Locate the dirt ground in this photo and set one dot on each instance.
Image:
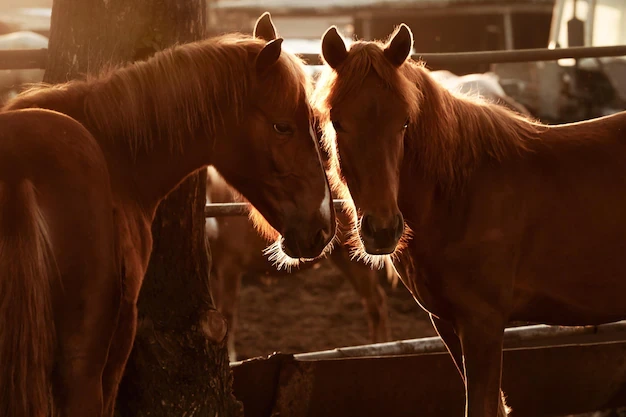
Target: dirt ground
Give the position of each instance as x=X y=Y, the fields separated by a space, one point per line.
x=316 y=309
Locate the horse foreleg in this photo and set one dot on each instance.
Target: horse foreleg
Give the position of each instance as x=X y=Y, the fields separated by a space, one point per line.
x=481 y=342
x=373 y=297
x=225 y=287
x=84 y=331
x=119 y=353
x=452 y=342
x=230 y=304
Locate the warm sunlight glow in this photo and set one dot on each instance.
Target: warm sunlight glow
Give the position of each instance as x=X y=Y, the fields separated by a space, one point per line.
x=357 y=249
x=609 y=23
x=608 y=26
x=281 y=260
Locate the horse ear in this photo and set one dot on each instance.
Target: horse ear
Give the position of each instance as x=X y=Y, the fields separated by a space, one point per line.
x=399 y=48
x=334 y=49
x=268 y=55
x=264 y=28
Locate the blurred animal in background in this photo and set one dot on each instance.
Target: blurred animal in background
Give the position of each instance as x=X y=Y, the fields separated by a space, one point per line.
x=486 y=85
x=237 y=250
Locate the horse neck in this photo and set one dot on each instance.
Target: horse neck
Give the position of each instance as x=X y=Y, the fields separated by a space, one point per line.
x=454 y=135
x=152 y=138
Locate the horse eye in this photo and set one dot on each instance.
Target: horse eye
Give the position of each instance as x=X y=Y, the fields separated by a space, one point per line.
x=283 y=128
x=337 y=126
x=406 y=124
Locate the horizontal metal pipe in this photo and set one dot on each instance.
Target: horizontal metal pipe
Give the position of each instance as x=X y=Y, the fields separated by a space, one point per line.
x=36 y=58
x=226 y=209
x=23 y=59
x=537 y=381
x=498 y=57
x=515 y=337
x=521 y=55
x=240 y=209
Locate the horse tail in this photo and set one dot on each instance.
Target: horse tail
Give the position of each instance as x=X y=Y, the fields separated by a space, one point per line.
x=27 y=333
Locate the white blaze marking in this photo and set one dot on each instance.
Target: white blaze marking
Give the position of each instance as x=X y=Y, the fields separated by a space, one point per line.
x=326 y=202
x=325 y=206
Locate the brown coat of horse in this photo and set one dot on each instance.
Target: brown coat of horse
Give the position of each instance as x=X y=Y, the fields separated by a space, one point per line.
x=509 y=219
x=57 y=253
x=237 y=249
x=77 y=205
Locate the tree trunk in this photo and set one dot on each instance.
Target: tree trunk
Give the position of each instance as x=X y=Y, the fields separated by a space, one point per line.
x=179 y=364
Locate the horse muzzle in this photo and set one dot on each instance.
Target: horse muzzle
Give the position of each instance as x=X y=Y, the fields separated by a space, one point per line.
x=381 y=236
x=306 y=242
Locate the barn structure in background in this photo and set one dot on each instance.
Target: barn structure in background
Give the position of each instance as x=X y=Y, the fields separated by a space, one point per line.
x=438 y=25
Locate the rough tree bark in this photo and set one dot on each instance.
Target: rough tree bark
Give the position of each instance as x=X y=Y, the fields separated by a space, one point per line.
x=179 y=364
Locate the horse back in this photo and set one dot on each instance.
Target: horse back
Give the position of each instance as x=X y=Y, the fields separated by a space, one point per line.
x=67 y=168
x=547 y=225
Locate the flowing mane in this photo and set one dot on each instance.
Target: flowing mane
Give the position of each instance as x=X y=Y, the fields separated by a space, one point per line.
x=449 y=135
x=148 y=98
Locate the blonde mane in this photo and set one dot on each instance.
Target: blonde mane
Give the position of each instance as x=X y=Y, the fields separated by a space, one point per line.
x=172 y=94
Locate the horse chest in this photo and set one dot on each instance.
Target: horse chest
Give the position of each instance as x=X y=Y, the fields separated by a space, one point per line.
x=135 y=242
x=426 y=287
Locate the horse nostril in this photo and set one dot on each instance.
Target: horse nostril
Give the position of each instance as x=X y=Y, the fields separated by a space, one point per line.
x=290 y=235
x=366 y=225
x=320 y=238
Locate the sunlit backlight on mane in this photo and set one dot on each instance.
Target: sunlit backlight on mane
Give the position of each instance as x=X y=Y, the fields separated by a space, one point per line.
x=446 y=156
x=281 y=260
x=357 y=249
x=335 y=85
x=123 y=108
x=274 y=251
x=353 y=241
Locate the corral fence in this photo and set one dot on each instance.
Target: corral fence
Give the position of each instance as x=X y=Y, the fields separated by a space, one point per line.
x=36 y=59
x=548 y=370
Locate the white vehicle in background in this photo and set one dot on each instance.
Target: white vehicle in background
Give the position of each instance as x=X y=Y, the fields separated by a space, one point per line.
x=12 y=81
x=574 y=89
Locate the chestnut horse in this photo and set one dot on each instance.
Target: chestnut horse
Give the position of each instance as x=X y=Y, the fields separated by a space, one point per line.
x=510 y=220
x=237 y=249
x=77 y=202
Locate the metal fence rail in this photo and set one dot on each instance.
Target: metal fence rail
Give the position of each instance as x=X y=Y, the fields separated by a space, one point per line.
x=240 y=209
x=514 y=337
x=548 y=381
x=36 y=58
x=516 y=55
